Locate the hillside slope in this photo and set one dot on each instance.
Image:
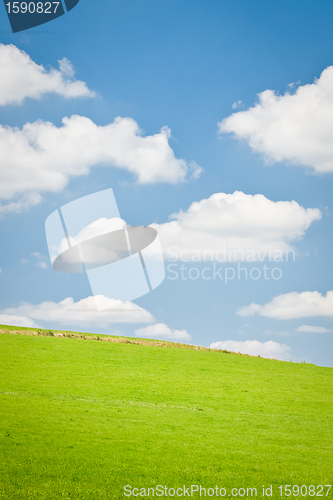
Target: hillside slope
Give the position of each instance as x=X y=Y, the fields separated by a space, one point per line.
x=81 y=419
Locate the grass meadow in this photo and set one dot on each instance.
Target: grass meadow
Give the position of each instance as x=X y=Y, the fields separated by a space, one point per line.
x=82 y=418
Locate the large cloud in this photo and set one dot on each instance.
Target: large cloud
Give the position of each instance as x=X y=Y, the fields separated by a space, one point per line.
x=82 y=313
x=243 y=226
x=42 y=157
x=162 y=331
x=21 y=78
x=268 y=349
x=293 y=305
x=297 y=127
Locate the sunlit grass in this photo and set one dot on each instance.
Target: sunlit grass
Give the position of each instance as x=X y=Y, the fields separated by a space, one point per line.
x=81 y=419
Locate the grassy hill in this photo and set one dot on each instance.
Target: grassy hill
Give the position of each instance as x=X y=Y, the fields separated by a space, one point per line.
x=81 y=419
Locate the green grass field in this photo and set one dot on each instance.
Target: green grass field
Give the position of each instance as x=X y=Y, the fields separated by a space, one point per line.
x=80 y=419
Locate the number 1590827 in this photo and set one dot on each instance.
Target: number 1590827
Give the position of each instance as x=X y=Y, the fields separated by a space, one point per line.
x=32 y=7
x=313 y=491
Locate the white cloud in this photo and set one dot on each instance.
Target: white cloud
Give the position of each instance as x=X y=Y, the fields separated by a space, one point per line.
x=42 y=265
x=246 y=226
x=42 y=157
x=40 y=262
x=21 y=78
x=24 y=261
x=236 y=104
x=313 y=329
x=82 y=313
x=0 y=270
x=293 y=305
x=25 y=202
x=267 y=349
x=12 y=320
x=162 y=331
x=297 y=127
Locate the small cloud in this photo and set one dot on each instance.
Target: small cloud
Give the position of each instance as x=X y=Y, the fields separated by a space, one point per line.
x=23 y=261
x=13 y=320
x=0 y=270
x=40 y=258
x=42 y=265
x=236 y=104
x=313 y=329
x=250 y=310
x=160 y=330
x=293 y=305
x=268 y=349
x=66 y=67
x=293 y=84
x=195 y=169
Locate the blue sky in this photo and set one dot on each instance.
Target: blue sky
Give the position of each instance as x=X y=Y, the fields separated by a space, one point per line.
x=183 y=65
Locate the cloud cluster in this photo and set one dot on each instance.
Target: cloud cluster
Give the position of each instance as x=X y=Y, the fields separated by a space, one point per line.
x=293 y=305
x=42 y=157
x=296 y=127
x=267 y=349
x=21 y=77
x=162 y=331
x=82 y=313
x=243 y=224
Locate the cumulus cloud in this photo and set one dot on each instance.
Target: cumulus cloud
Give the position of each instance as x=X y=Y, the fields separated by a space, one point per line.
x=82 y=313
x=313 y=329
x=21 y=77
x=162 y=331
x=267 y=349
x=12 y=320
x=293 y=305
x=234 y=227
x=296 y=127
x=41 y=157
